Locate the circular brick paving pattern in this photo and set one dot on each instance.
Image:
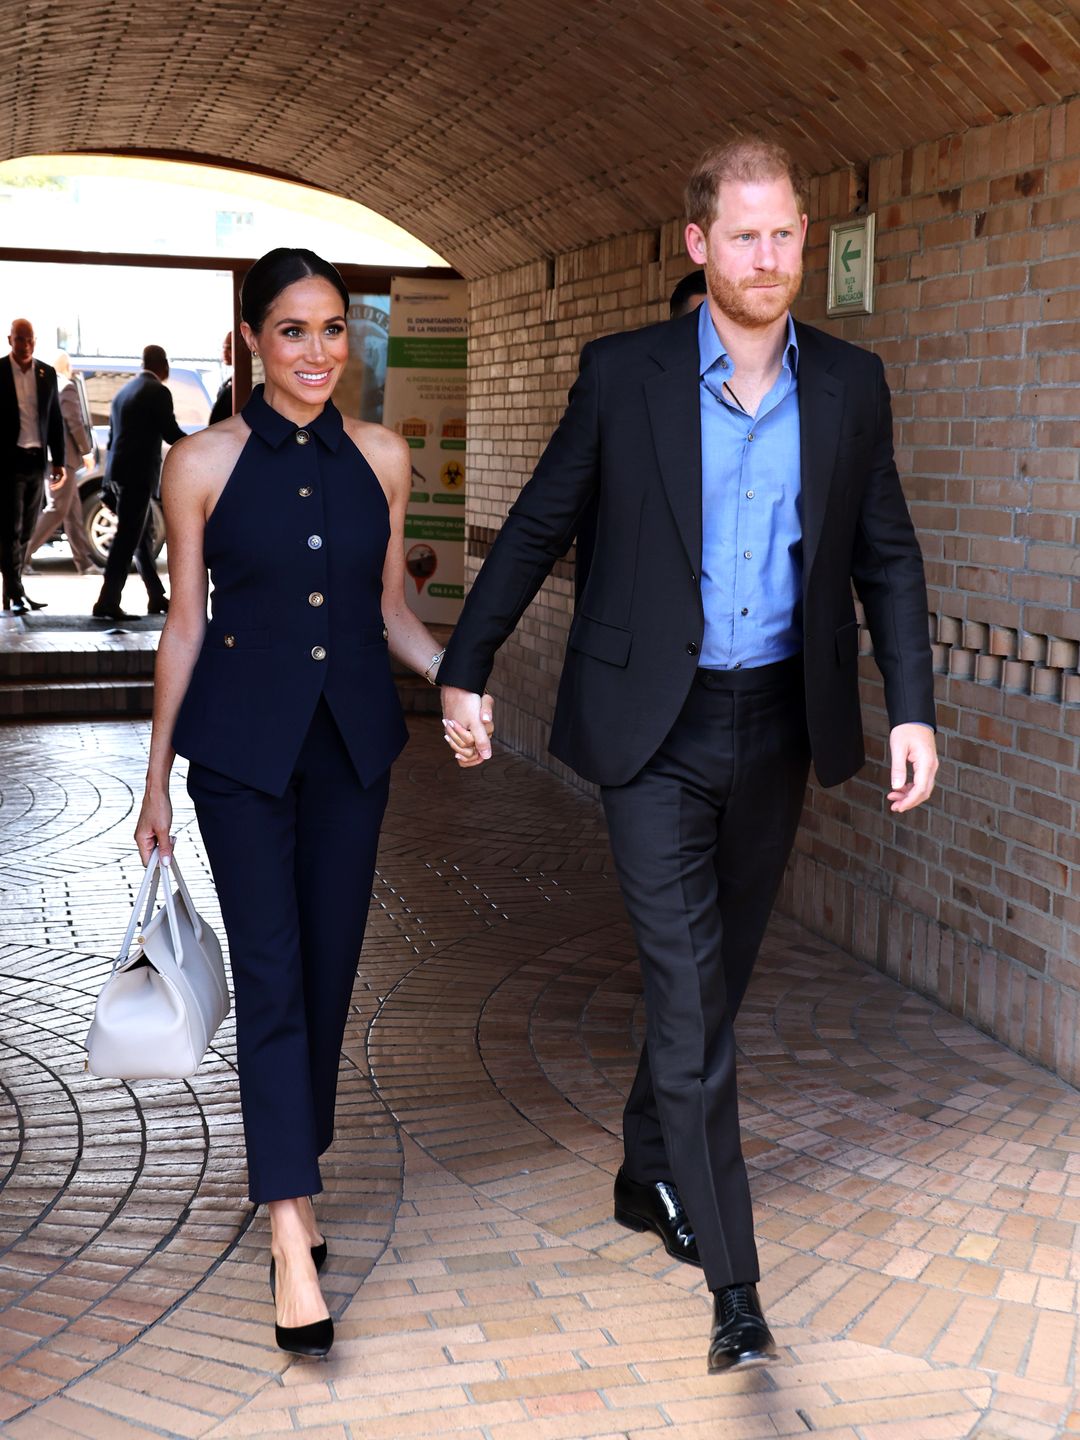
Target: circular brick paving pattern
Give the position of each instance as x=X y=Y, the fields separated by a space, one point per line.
x=917 y=1186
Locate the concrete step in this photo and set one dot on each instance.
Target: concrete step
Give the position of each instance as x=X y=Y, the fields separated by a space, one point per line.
x=76 y=699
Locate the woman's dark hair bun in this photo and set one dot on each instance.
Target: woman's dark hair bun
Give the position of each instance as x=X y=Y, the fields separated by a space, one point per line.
x=276 y=271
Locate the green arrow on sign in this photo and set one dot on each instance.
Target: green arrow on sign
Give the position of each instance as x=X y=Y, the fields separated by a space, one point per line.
x=847 y=254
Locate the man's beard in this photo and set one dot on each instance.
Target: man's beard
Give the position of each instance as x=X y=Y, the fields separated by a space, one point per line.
x=745 y=304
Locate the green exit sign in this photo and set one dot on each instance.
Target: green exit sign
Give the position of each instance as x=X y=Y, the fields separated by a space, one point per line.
x=851 y=267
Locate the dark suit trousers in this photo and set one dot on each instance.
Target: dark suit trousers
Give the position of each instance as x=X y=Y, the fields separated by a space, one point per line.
x=294 y=877
x=134 y=537
x=700 y=838
x=21 y=491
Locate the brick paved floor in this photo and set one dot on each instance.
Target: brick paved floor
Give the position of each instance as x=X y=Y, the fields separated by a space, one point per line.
x=917 y=1186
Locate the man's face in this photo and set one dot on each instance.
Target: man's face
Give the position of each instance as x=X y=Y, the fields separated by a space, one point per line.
x=752 y=251
x=21 y=341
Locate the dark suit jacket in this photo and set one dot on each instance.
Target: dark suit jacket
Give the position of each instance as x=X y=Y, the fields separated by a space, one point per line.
x=631 y=439
x=50 y=421
x=140 y=419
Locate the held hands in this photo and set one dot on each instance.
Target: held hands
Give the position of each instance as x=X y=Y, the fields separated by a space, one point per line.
x=155 y=822
x=913 y=745
x=468 y=721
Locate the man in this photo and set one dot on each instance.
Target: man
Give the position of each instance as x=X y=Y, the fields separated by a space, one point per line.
x=62 y=505
x=140 y=419
x=688 y=294
x=743 y=465
x=222 y=408
x=30 y=425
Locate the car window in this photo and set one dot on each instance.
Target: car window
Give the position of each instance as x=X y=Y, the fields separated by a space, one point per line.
x=101 y=386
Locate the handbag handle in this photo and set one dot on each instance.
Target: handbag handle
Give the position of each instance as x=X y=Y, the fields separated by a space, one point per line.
x=145 y=900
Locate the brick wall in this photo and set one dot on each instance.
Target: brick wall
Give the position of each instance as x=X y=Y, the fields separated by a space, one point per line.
x=974 y=899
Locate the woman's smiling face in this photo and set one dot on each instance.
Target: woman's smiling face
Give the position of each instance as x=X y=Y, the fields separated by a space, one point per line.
x=303 y=343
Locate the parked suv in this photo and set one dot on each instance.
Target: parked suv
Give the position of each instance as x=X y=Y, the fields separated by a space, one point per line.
x=100 y=380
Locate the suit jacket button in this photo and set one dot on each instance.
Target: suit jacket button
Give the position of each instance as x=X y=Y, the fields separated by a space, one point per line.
x=318 y=652
x=385 y=633
x=304 y=491
x=691 y=647
x=315 y=542
x=230 y=641
x=315 y=598
x=302 y=437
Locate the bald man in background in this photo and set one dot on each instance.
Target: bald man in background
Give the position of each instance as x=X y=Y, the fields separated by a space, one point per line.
x=31 y=426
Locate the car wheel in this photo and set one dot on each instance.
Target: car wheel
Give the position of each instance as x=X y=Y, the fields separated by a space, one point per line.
x=99 y=522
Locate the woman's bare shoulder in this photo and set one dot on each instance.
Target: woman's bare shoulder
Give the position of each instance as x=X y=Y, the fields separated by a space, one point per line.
x=382 y=448
x=207 y=455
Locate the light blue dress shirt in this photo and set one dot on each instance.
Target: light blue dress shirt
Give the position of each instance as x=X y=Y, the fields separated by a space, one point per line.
x=751 y=501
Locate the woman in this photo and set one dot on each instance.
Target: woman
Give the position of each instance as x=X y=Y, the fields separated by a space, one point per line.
x=285 y=707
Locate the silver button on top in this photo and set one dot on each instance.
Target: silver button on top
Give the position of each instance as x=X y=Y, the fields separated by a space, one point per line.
x=315 y=541
x=750 y=436
x=304 y=491
x=748 y=554
x=302 y=437
x=315 y=598
x=318 y=652
x=749 y=494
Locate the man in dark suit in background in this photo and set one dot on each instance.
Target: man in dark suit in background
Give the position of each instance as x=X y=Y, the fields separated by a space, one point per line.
x=742 y=466
x=30 y=426
x=141 y=418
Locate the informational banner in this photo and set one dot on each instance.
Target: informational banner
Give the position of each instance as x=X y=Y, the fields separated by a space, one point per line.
x=425 y=403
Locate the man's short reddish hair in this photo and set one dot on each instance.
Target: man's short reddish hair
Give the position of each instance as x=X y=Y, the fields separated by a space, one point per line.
x=745 y=160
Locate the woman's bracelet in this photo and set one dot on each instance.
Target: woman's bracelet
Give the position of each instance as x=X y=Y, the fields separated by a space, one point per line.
x=431 y=664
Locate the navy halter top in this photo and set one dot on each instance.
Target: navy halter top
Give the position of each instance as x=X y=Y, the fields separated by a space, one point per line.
x=295 y=548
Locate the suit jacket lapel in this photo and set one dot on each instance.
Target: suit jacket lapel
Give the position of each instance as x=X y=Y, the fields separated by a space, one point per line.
x=673 y=400
x=821 y=408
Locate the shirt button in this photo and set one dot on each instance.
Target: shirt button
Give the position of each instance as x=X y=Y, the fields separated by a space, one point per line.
x=737 y=665
x=318 y=652
x=304 y=491
x=691 y=647
x=744 y=611
x=302 y=437
x=315 y=541
x=750 y=436
x=749 y=494
x=747 y=554
x=230 y=641
x=315 y=598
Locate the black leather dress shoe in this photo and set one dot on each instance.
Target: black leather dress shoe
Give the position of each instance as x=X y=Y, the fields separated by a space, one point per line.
x=739 y=1335
x=34 y=604
x=18 y=606
x=159 y=606
x=105 y=610
x=656 y=1207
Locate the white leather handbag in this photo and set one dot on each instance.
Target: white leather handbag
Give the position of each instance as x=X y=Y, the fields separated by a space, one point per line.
x=161 y=1006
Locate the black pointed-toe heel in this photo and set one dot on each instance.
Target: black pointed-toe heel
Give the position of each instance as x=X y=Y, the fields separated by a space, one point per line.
x=315 y=1339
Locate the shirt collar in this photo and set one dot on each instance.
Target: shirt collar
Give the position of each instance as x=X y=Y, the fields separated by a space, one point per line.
x=270 y=425
x=711 y=348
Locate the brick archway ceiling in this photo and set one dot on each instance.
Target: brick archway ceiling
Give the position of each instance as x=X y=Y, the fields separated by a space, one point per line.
x=500 y=131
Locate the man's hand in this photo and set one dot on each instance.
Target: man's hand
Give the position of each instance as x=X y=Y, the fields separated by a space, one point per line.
x=468 y=721
x=56 y=475
x=913 y=745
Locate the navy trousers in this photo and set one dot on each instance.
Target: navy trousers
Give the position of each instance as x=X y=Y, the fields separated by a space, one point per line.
x=700 y=837
x=293 y=875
